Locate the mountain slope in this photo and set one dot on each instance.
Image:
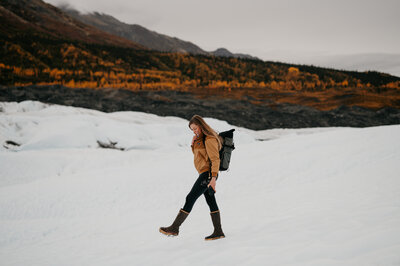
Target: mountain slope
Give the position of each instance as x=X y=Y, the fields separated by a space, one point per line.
x=304 y=197
x=143 y=36
x=136 y=33
x=38 y=17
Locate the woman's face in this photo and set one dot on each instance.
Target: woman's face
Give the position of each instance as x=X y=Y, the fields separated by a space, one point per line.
x=196 y=129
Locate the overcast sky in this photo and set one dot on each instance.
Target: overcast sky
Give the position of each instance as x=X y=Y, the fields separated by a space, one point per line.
x=268 y=29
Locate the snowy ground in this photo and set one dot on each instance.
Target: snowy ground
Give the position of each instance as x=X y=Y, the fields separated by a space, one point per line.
x=292 y=197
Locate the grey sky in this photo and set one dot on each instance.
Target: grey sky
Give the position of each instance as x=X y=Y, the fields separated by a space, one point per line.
x=269 y=29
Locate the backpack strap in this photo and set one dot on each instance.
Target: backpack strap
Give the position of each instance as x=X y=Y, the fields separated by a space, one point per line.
x=204 y=142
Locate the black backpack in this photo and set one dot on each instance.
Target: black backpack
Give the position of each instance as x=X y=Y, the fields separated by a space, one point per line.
x=226 y=151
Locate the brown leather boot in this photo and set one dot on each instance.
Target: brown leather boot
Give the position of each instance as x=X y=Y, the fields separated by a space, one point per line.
x=173 y=230
x=216 y=220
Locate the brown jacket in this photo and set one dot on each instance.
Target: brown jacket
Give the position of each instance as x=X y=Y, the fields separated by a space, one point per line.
x=206 y=157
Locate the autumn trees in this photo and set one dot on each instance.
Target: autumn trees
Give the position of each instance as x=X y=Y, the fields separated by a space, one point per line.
x=40 y=60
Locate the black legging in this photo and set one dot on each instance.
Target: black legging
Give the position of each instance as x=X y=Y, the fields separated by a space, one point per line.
x=200 y=187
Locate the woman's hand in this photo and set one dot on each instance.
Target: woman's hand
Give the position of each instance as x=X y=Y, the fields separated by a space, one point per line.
x=213 y=183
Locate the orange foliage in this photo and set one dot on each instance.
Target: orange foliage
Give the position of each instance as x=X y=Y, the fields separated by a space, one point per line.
x=28 y=72
x=393 y=85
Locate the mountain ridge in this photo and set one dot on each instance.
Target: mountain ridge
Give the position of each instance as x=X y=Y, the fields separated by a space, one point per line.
x=148 y=38
x=44 y=18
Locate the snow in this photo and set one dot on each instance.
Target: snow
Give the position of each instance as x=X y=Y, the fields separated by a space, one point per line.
x=321 y=196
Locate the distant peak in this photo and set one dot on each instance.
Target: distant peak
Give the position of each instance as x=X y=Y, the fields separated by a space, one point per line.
x=222 y=52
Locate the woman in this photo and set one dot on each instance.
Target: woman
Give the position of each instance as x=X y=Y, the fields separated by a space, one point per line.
x=205 y=146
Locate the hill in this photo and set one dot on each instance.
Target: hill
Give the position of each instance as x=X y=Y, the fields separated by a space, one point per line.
x=35 y=18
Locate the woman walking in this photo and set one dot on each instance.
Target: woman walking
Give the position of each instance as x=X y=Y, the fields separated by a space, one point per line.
x=205 y=146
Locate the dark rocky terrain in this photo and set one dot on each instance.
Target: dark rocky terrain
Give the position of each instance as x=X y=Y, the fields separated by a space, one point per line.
x=184 y=104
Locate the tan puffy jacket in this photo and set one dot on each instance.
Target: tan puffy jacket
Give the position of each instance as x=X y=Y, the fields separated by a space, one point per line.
x=206 y=157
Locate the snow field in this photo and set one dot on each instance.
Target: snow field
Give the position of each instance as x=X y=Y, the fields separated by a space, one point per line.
x=300 y=197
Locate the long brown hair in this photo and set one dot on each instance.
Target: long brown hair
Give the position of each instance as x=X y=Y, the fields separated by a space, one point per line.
x=205 y=128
